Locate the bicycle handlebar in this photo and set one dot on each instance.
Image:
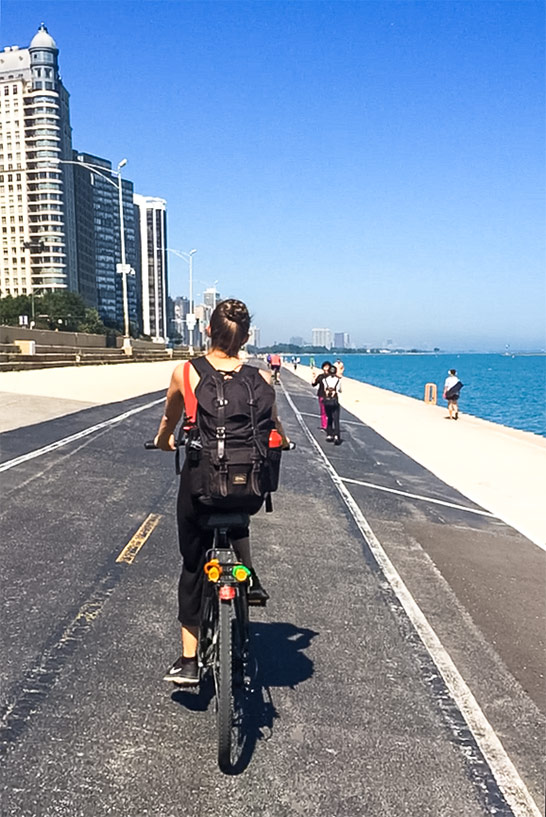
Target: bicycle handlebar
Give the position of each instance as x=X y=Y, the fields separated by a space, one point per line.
x=150 y=445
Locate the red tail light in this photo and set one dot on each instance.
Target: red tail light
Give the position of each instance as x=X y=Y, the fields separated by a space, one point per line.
x=226 y=592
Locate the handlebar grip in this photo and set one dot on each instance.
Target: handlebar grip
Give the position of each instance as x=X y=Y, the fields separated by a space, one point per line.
x=149 y=445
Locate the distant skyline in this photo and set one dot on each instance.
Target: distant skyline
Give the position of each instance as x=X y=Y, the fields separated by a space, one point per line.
x=376 y=168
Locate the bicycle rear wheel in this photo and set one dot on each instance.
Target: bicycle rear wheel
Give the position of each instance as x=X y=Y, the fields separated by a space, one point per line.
x=230 y=680
x=224 y=685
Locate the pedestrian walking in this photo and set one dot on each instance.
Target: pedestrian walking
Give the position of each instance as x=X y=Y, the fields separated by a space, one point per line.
x=452 y=390
x=318 y=380
x=340 y=367
x=332 y=387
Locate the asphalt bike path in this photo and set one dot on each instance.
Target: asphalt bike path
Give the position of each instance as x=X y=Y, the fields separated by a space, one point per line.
x=344 y=717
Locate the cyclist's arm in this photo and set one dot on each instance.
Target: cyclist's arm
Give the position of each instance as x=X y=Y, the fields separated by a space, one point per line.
x=174 y=406
x=274 y=414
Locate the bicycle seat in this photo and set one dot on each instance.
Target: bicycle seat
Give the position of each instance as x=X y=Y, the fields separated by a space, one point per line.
x=224 y=520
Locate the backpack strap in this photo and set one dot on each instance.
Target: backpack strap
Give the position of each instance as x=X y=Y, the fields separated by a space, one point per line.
x=190 y=400
x=252 y=407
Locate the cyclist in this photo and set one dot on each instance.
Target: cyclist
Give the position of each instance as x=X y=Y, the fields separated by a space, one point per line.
x=275 y=363
x=228 y=331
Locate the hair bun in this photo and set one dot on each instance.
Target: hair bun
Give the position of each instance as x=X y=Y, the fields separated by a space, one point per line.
x=236 y=311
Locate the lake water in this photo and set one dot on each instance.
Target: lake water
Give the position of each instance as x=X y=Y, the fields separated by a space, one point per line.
x=504 y=389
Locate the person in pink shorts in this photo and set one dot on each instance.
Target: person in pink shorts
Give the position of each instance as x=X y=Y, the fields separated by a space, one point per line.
x=318 y=381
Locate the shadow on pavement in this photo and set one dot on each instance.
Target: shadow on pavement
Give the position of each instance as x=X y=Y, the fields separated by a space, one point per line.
x=277 y=660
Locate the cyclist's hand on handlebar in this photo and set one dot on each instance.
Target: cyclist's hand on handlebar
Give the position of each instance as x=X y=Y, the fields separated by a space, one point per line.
x=165 y=443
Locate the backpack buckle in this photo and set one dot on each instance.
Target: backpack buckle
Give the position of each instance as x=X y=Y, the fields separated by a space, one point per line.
x=221 y=402
x=221 y=433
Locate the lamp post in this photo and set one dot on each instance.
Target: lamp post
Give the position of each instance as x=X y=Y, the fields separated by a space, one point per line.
x=191 y=320
x=121 y=268
x=126 y=338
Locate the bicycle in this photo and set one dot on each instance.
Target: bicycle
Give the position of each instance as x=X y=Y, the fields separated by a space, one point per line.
x=223 y=640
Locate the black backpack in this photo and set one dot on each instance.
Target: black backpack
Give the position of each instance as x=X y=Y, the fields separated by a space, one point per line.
x=454 y=391
x=330 y=392
x=231 y=466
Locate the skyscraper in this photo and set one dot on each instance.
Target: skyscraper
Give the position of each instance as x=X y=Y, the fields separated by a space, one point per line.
x=99 y=239
x=342 y=340
x=153 y=259
x=254 y=336
x=321 y=337
x=211 y=297
x=36 y=190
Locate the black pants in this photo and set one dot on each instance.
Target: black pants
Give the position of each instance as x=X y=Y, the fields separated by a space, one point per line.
x=332 y=414
x=194 y=543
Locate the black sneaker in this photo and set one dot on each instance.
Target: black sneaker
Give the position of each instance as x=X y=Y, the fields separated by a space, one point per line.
x=337 y=441
x=329 y=438
x=183 y=672
x=256 y=595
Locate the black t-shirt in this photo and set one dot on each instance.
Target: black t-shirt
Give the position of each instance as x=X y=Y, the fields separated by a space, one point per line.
x=319 y=381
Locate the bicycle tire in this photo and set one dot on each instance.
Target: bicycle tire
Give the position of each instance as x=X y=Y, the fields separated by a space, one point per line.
x=224 y=685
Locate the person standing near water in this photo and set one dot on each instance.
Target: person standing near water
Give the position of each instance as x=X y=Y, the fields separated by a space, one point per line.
x=452 y=390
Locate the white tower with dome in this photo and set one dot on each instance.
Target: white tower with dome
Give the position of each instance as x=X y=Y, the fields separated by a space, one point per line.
x=36 y=191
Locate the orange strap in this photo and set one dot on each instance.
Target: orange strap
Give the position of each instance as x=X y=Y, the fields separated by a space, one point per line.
x=190 y=400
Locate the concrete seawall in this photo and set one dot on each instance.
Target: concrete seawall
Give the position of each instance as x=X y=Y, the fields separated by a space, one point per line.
x=500 y=468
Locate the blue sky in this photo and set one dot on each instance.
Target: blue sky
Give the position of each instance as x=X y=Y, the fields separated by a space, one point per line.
x=372 y=167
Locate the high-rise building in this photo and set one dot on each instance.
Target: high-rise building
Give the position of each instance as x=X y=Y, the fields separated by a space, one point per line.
x=342 y=340
x=321 y=337
x=153 y=259
x=36 y=189
x=254 y=337
x=211 y=297
x=178 y=328
x=99 y=240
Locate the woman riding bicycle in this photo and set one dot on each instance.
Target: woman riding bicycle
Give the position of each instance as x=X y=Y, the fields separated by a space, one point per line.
x=228 y=332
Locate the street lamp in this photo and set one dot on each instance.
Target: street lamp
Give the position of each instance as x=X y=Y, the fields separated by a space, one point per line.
x=123 y=268
x=191 y=319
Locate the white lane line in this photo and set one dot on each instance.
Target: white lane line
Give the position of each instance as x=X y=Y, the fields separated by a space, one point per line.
x=5 y=466
x=418 y=496
x=512 y=786
x=345 y=422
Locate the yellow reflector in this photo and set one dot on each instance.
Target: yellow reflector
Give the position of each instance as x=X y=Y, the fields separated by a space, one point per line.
x=213 y=570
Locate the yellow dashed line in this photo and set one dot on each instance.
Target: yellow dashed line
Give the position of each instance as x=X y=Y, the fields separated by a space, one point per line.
x=133 y=546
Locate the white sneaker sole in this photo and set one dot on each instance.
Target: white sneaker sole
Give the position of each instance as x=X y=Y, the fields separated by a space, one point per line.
x=181 y=682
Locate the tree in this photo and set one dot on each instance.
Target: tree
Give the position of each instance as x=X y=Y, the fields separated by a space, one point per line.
x=65 y=311
x=62 y=310
x=92 y=323
x=11 y=308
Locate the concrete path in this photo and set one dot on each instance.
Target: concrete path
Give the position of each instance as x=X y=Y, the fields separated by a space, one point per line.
x=500 y=468
x=41 y=394
x=356 y=708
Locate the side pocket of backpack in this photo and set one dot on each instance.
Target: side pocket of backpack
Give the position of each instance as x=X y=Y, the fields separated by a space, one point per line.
x=271 y=470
